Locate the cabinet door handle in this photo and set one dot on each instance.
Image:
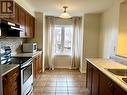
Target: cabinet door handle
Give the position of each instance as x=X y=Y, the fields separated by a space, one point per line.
x=110 y=84
x=5 y=81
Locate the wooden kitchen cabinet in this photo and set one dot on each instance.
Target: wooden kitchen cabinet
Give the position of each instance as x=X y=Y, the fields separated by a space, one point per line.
x=32 y=26
x=21 y=18
x=118 y=90
x=27 y=29
x=37 y=65
x=40 y=63
x=11 y=83
x=16 y=15
x=99 y=84
x=29 y=26
x=106 y=85
x=92 y=79
x=89 y=77
x=95 y=81
x=26 y=21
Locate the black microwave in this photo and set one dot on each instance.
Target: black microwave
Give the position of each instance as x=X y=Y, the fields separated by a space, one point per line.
x=9 y=29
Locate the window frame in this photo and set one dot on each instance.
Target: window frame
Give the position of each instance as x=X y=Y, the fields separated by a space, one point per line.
x=63 y=40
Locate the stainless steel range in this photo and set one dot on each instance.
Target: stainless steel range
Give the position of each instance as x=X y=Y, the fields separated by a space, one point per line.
x=26 y=69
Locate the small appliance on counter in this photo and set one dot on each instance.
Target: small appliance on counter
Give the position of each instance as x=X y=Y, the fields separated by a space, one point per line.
x=26 y=68
x=29 y=47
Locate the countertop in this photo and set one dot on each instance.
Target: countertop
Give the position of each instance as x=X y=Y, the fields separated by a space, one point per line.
x=5 y=68
x=103 y=64
x=26 y=54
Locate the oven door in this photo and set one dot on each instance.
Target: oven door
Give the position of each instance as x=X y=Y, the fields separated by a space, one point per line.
x=27 y=79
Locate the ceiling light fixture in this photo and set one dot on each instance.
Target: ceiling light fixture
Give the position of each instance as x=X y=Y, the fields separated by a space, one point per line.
x=65 y=14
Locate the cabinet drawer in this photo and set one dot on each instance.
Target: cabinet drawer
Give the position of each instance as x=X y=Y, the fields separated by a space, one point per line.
x=16 y=70
x=12 y=76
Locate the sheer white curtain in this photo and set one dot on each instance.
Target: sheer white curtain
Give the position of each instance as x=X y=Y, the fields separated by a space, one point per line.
x=76 y=44
x=50 y=41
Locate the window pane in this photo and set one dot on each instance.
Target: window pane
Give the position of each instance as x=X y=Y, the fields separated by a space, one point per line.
x=58 y=46
x=68 y=40
x=63 y=39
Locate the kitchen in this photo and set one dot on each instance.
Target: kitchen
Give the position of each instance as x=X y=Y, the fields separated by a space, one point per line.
x=24 y=42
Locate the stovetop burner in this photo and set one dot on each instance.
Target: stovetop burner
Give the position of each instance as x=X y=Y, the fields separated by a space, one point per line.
x=16 y=60
x=19 y=60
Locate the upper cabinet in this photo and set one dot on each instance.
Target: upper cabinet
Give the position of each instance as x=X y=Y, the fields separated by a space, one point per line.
x=27 y=21
x=122 y=35
x=29 y=25
x=21 y=17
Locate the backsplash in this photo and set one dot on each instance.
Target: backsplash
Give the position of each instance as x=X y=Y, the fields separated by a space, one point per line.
x=14 y=43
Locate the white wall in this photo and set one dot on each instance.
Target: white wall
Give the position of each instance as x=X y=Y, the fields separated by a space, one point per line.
x=26 y=6
x=109 y=31
x=122 y=36
x=62 y=61
x=91 y=32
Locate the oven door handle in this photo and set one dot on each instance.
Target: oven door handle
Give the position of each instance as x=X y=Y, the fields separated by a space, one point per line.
x=22 y=68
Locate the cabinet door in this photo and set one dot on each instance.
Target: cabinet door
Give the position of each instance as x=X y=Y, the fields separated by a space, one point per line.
x=16 y=14
x=119 y=91
x=37 y=66
x=95 y=81
x=34 y=68
x=40 y=63
x=11 y=83
x=22 y=18
x=32 y=26
x=27 y=25
x=5 y=86
x=89 y=77
x=106 y=85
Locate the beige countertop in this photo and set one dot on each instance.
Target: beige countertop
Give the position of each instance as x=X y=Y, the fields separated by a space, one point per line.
x=5 y=68
x=103 y=64
x=26 y=54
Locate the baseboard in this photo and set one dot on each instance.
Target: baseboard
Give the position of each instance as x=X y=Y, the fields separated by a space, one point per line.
x=82 y=71
x=62 y=67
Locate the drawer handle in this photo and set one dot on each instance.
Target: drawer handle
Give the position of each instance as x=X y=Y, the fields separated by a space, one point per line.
x=5 y=81
x=110 y=84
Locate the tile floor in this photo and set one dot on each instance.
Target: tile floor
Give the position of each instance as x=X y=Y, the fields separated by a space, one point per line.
x=60 y=82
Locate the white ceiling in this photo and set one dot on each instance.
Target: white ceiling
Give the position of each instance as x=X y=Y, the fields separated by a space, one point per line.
x=76 y=7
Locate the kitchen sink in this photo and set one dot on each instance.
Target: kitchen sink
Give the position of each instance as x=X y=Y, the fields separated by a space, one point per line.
x=120 y=72
x=124 y=79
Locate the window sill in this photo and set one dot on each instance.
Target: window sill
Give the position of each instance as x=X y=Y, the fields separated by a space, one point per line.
x=63 y=54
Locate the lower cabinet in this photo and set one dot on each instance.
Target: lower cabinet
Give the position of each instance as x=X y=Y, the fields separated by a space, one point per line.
x=37 y=65
x=92 y=79
x=118 y=90
x=100 y=84
x=95 y=81
x=89 y=78
x=11 y=83
x=106 y=85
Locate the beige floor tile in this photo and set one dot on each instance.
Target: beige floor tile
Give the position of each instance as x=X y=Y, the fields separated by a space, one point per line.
x=60 y=82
